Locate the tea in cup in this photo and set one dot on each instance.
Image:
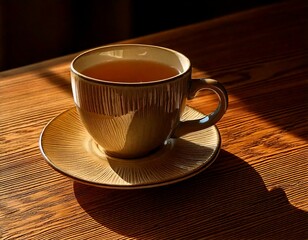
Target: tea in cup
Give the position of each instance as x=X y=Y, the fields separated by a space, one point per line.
x=130 y=97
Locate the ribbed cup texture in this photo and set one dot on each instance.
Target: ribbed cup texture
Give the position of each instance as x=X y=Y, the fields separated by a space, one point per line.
x=130 y=120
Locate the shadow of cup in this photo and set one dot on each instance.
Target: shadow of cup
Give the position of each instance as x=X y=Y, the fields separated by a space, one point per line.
x=227 y=201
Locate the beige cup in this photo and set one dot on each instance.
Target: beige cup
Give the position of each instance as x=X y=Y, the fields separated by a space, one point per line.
x=129 y=120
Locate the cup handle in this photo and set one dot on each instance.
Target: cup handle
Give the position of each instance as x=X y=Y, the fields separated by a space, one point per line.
x=199 y=124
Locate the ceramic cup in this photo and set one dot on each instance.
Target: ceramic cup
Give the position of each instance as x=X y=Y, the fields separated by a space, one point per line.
x=131 y=119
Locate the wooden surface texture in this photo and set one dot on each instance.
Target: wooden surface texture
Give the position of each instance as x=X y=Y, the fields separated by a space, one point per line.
x=256 y=189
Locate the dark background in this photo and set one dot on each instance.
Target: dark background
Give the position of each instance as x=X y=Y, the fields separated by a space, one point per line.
x=36 y=30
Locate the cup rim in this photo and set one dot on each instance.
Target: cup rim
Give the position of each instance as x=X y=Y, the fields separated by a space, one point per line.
x=96 y=80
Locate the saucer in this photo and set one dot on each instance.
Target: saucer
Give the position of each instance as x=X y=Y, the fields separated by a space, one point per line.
x=69 y=149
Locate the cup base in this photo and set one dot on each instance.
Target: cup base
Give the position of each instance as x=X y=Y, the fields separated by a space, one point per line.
x=132 y=156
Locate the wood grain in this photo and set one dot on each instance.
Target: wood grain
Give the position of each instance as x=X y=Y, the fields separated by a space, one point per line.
x=257 y=188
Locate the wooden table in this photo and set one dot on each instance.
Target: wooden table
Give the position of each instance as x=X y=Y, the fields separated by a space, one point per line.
x=256 y=189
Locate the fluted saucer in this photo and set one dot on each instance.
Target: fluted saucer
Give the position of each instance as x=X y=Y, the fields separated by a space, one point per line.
x=69 y=149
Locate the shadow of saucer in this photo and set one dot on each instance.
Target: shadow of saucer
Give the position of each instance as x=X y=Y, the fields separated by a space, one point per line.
x=227 y=201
